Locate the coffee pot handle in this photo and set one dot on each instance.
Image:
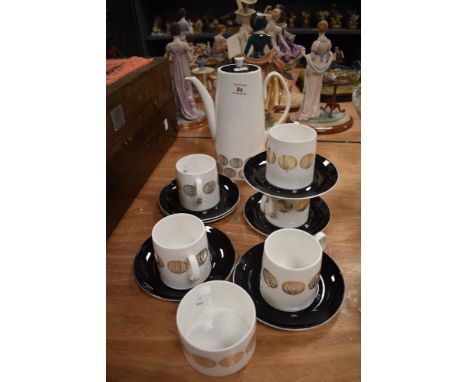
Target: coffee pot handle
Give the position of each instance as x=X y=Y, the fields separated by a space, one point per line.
x=284 y=85
x=194 y=267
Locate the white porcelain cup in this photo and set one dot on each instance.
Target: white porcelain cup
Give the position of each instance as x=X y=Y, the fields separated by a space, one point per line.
x=181 y=250
x=291 y=149
x=216 y=324
x=291 y=263
x=285 y=213
x=197 y=182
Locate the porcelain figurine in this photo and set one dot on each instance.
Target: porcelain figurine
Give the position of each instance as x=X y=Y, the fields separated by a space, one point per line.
x=184 y=26
x=276 y=32
x=293 y=52
x=305 y=19
x=268 y=62
x=220 y=45
x=237 y=124
x=338 y=56
x=178 y=52
x=192 y=50
x=318 y=61
x=336 y=18
x=353 y=22
x=198 y=25
x=322 y=15
x=259 y=38
x=243 y=14
x=157 y=24
x=292 y=20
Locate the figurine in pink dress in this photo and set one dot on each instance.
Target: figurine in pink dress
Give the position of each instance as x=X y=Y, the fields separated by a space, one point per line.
x=179 y=55
x=318 y=61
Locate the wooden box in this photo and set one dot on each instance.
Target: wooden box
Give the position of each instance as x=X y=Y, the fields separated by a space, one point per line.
x=141 y=125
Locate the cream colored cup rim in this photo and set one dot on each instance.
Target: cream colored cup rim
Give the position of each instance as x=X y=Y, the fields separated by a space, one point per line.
x=165 y=219
x=295 y=126
x=230 y=285
x=187 y=157
x=305 y=234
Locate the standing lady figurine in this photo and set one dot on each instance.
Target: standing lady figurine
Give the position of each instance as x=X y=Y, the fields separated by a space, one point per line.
x=220 y=45
x=243 y=14
x=179 y=55
x=318 y=61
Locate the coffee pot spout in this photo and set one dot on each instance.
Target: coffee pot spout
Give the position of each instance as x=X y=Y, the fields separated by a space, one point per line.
x=207 y=102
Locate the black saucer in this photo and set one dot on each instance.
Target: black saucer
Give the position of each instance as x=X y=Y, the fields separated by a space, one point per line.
x=325 y=306
x=319 y=216
x=228 y=200
x=223 y=258
x=325 y=177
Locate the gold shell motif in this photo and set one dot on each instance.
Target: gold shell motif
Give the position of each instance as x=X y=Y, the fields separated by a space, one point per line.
x=202 y=256
x=284 y=206
x=222 y=160
x=159 y=261
x=189 y=190
x=203 y=361
x=271 y=157
x=251 y=344
x=307 y=161
x=301 y=205
x=209 y=187
x=293 y=287
x=177 y=266
x=231 y=360
x=241 y=174
x=287 y=162
x=236 y=162
x=230 y=172
x=269 y=278
x=314 y=282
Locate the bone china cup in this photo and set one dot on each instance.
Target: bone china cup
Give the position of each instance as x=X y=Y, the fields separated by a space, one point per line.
x=197 y=180
x=181 y=250
x=291 y=265
x=285 y=213
x=291 y=149
x=216 y=324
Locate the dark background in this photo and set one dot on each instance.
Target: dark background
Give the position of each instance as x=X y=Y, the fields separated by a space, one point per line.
x=129 y=23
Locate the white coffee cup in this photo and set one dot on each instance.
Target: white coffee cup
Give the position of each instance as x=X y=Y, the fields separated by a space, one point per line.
x=291 y=263
x=181 y=250
x=291 y=149
x=285 y=213
x=216 y=324
x=197 y=182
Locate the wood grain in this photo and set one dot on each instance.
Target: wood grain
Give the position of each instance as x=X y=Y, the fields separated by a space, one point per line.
x=142 y=340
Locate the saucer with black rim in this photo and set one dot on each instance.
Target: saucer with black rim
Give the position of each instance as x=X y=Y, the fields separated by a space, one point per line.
x=325 y=306
x=228 y=199
x=325 y=178
x=223 y=259
x=319 y=216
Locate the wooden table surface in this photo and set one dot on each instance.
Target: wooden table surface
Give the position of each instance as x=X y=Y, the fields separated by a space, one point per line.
x=142 y=340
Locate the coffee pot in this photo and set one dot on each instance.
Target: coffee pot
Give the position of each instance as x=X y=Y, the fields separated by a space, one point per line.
x=237 y=122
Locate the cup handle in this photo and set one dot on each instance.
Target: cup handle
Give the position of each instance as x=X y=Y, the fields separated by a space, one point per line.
x=199 y=190
x=194 y=267
x=266 y=205
x=322 y=239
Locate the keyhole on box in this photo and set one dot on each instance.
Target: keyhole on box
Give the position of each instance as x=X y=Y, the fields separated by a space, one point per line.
x=166 y=125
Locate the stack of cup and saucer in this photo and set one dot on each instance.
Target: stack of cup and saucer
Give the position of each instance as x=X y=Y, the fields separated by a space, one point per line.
x=293 y=283
x=289 y=178
x=199 y=190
